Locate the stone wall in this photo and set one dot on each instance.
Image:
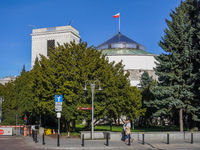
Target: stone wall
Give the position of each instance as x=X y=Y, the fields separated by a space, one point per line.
x=117 y=136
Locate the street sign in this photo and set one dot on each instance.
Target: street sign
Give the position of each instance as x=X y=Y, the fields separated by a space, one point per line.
x=58 y=115
x=58 y=103
x=58 y=98
x=58 y=108
x=85 y=108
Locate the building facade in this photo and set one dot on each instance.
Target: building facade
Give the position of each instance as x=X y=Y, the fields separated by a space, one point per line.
x=45 y=39
x=7 y=79
x=132 y=54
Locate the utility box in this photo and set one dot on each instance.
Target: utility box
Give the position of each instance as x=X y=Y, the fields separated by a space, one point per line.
x=6 y=131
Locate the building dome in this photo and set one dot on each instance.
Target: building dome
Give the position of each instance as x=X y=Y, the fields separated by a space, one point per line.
x=132 y=54
x=120 y=44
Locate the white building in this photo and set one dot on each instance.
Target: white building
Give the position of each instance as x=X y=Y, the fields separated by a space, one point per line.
x=7 y=79
x=133 y=55
x=46 y=38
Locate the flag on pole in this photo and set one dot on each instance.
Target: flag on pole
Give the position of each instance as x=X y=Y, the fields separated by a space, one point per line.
x=116 y=16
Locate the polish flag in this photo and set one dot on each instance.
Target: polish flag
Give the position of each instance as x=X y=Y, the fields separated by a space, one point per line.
x=116 y=16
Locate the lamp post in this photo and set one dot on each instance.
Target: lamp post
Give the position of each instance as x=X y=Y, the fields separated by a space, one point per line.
x=92 y=90
x=1 y=100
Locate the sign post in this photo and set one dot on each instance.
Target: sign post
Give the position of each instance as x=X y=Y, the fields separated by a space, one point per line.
x=58 y=109
x=85 y=108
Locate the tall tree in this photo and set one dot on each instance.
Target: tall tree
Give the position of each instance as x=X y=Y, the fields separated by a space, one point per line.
x=146 y=82
x=65 y=72
x=175 y=67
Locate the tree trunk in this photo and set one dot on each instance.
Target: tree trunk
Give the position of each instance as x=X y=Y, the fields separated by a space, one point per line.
x=118 y=121
x=73 y=125
x=68 y=126
x=181 y=119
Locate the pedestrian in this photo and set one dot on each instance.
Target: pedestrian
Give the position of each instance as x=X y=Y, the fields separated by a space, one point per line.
x=128 y=131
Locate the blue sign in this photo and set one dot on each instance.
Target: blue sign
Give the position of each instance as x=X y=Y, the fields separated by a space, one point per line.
x=58 y=98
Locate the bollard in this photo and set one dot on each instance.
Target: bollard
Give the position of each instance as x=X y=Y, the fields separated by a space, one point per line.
x=33 y=135
x=58 y=142
x=36 y=137
x=43 y=143
x=129 y=140
x=143 y=138
x=191 y=137
x=167 y=137
x=82 y=140
x=107 y=144
x=124 y=135
x=29 y=131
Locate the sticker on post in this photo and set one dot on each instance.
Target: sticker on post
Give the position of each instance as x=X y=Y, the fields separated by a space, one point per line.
x=59 y=115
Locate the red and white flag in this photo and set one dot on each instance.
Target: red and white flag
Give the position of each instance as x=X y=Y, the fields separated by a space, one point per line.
x=116 y=16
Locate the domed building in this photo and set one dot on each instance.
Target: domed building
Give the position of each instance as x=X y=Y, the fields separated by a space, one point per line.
x=132 y=54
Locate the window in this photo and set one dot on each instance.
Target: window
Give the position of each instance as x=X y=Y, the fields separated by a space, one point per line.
x=50 y=46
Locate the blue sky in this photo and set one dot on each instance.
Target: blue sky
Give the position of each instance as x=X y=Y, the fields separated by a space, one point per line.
x=141 y=20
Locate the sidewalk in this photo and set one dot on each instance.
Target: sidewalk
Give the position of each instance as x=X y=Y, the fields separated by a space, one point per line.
x=72 y=143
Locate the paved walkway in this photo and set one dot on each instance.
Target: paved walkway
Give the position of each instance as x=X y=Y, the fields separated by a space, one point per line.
x=72 y=143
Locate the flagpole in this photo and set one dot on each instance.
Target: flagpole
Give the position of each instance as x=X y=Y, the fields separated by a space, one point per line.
x=119 y=22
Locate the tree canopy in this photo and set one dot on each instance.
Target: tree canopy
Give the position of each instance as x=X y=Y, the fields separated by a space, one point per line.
x=177 y=68
x=65 y=72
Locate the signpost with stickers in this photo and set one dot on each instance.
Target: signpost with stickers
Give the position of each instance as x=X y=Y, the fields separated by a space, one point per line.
x=58 y=109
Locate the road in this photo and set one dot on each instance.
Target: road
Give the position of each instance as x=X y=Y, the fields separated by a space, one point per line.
x=26 y=143
x=15 y=143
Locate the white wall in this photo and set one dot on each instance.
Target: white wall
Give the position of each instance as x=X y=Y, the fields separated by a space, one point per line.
x=135 y=61
x=61 y=35
x=139 y=63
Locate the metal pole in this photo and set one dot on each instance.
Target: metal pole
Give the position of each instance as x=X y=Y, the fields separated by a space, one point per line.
x=33 y=135
x=36 y=137
x=191 y=137
x=129 y=140
x=16 y=120
x=43 y=143
x=0 y=108
x=40 y=120
x=58 y=144
x=92 y=88
x=143 y=138
x=82 y=140
x=107 y=136
x=167 y=137
x=119 y=22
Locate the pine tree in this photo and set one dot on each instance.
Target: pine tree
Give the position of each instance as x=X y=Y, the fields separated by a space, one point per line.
x=146 y=82
x=175 y=67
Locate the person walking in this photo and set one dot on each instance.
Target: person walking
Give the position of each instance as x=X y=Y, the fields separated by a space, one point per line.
x=128 y=131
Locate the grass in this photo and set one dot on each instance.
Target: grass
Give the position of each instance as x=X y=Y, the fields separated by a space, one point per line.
x=119 y=128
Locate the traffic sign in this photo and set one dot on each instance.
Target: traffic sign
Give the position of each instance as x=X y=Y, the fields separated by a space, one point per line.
x=85 y=108
x=58 y=98
x=58 y=108
x=58 y=115
x=58 y=103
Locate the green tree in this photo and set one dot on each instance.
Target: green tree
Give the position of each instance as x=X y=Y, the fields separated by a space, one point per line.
x=24 y=95
x=65 y=72
x=175 y=67
x=146 y=82
x=9 y=105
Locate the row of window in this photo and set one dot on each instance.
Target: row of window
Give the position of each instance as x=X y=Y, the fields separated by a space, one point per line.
x=122 y=45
